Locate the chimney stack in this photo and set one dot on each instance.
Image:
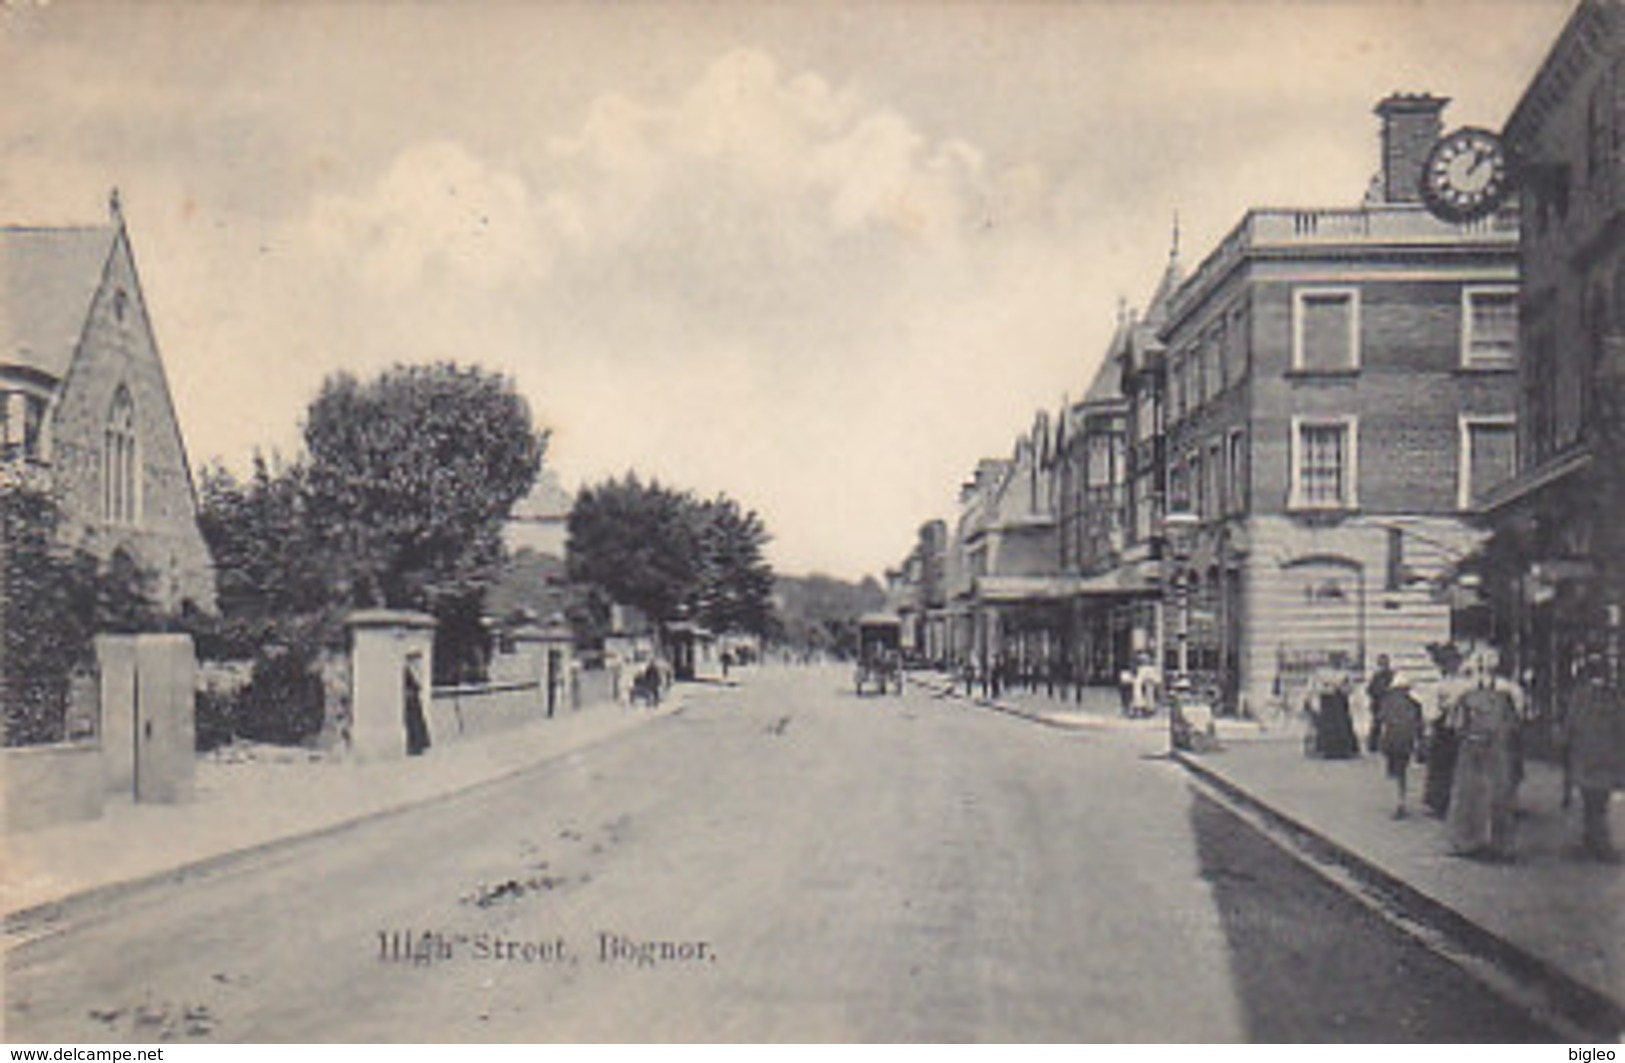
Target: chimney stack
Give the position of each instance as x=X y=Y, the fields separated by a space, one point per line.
x=1411 y=125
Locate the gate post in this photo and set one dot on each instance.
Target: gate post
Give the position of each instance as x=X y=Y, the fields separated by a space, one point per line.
x=386 y=645
x=149 y=713
x=166 y=747
x=116 y=677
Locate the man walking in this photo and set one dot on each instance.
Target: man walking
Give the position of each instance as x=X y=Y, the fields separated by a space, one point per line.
x=1381 y=679
x=1596 y=755
x=1397 y=722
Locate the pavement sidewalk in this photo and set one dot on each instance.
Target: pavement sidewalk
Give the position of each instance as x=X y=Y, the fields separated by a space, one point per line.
x=269 y=797
x=1555 y=920
x=1094 y=708
x=1551 y=917
x=1097 y=707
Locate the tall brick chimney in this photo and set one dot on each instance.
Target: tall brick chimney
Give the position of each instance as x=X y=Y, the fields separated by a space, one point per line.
x=1411 y=125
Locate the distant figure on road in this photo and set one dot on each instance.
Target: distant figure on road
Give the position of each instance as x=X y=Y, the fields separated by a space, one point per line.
x=1398 y=725
x=1595 y=755
x=1480 y=816
x=1125 y=690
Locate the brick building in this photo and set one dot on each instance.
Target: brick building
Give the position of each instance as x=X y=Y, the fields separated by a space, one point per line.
x=1557 y=557
x=85 y=406
x=1337 y=391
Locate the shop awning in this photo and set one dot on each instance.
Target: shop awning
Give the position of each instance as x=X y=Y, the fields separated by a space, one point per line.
x=1026 y=588
x=1140 y=579
x=1122 y=581
x=1535 y=480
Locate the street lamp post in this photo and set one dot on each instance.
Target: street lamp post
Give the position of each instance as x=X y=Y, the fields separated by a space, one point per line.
x=1179 y=530
x=1179 y=533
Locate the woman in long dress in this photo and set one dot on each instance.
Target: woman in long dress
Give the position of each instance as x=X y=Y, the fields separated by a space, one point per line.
x=1335 y=737
x=1480 y=818
x=1441 y=739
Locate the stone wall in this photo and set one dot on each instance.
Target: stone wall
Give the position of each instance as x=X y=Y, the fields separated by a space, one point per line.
x=467 y=712
x=44 y=785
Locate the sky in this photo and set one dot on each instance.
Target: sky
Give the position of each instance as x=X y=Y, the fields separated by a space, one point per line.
x=820 y=257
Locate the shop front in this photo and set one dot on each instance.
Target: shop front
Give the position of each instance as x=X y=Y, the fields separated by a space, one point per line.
x=1555 y=569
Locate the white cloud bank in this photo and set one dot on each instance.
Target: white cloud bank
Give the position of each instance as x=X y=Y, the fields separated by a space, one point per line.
x=766 y=285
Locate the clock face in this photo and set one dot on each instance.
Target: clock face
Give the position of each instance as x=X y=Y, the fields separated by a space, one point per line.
x=1465 y=176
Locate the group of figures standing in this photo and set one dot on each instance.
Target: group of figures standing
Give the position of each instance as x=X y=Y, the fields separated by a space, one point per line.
x=1470 y=745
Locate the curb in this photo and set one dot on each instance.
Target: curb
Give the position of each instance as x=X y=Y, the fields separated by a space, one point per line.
x=1581 y=1003
x=39 y=917
x=1055 y=721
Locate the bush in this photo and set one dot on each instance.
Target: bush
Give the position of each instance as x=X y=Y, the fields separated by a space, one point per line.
x=48 y=599
x=283 y=702
x=217 y=712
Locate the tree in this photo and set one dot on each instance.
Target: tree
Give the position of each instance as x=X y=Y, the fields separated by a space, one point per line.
x=734 y=590
x=269 y=565
x=267 y=559
x=638 y=543
x=671 y=555
x=281 y=604
x=410 y=478
x=821 y=612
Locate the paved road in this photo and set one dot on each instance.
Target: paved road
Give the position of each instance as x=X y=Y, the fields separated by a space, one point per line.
x=782 y=861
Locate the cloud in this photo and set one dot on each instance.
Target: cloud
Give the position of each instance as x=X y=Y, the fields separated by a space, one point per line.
x=765 y=285
x=439 y=215
x=821 y=159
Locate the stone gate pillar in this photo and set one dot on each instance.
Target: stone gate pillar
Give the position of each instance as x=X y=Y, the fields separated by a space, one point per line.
x=149 y=714
x=391 y=650
x=550 y=650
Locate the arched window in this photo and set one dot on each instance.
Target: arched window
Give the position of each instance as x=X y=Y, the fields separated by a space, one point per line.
x=121 y=481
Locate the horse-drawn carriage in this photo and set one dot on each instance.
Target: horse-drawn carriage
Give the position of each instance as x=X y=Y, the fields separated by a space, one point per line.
x=880 y=656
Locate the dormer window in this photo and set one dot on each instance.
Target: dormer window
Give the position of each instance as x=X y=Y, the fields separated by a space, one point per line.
x=121 y=305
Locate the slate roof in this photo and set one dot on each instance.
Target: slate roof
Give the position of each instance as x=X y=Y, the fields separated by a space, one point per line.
x=1108 y=378
x=47 y=280
x=1156 y=313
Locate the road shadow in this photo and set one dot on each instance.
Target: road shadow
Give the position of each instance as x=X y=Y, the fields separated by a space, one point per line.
x=1311 y=964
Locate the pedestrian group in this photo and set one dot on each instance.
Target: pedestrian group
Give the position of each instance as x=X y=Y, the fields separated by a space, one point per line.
x=1469 y=743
